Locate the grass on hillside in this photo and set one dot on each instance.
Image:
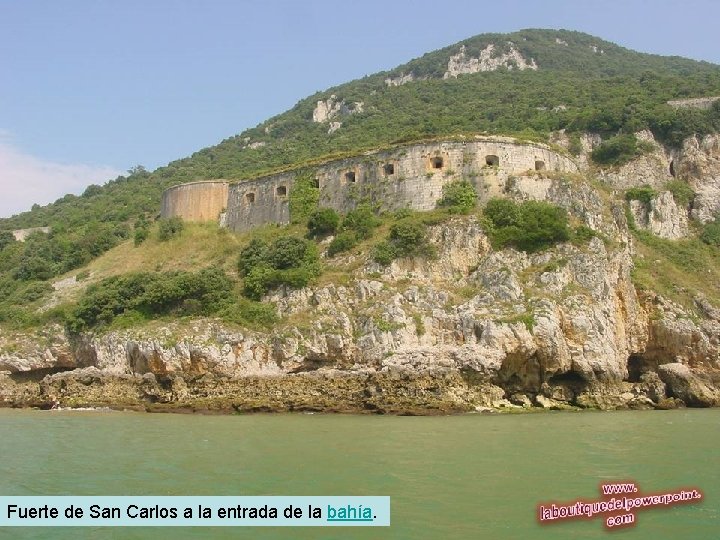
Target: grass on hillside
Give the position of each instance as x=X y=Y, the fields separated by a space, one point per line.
x=677 y=269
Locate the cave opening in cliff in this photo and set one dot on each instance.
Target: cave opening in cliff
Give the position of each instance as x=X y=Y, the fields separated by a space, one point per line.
x=250 y=198
x=350 y=176
x=672 y=168
x=316 y=183
x=569 y=378
x=389 y=169
x=492 y=161
x=281 y=191
x=436 y=162
x=637 y=365
x=539 y=165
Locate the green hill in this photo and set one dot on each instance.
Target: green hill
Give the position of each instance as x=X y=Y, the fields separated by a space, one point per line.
x=572 y=81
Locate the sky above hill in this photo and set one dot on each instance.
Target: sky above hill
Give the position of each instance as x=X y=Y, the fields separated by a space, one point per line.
x=89 y=89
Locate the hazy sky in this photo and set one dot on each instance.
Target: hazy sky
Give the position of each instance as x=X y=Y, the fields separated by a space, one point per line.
x=91 y=88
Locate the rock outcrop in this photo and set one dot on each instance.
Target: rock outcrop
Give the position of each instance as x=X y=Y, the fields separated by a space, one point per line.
x=331 y=108
x=401 y=79
x=489 y=59
x=471 y=329
x=699 y=162
x=662 y=216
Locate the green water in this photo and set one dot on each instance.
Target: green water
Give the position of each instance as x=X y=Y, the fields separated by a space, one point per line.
x=475 y=476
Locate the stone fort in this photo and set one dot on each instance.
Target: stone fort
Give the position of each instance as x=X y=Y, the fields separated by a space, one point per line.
x=409 y=176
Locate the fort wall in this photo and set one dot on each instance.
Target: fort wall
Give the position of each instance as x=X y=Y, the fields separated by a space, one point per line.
x=405 y=177
x=196 y=201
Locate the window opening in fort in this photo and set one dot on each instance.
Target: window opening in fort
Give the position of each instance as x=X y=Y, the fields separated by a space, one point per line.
x=281 y=191
x=350 y=176
x=316 y=183
x=539 y=165
x=389 y=169
x=436 y=162
x=250 y=198
x=492 y=161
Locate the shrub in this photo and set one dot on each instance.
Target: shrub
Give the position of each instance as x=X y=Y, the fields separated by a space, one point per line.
x=252 y=255
x=287 y=252
x=530 y=226
x=644 y=194
x=403 y=213
x=458 y=197
x=323 y=221
x=169 y=228
x=583 y=234
x=289 y=260
x=407 y=239
x=681 y=192
x=618 y=150
x=6 y=238
x=140 y=235
x=575 y=144
x=502 y=212
x=143 y=295
x=258 y=281
x=362 y=220
x=250 y=313
x=31 y=292
x=384 y=253
x=344 y=241
x=711 y=233
x=34 y=267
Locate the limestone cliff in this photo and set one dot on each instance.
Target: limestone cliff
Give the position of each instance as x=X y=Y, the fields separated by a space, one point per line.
x=489 y=59
x=471 y=329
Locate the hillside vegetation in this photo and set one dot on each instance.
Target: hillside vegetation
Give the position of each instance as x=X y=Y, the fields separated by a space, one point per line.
x=582 y=84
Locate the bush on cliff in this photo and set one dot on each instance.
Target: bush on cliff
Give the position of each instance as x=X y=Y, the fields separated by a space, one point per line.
x=529 y=226
x=362 y=221
x=42 y=256
x=619 y=150
x=143 y=295
x=169 y=228
x=357 y=225
x=289 y=260
x=406 y=239
x=322 y=222
x=682 y=193
x=458 y=197
x=711 y=233
x=344 y=241
x=644 y=194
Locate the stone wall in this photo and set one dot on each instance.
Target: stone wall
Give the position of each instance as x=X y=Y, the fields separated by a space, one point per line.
x=196 y=201
x=406 y=177
x=693 y=103
x=259 y=201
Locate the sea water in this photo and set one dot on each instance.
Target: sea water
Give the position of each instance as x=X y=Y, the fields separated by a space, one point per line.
x=470 y=476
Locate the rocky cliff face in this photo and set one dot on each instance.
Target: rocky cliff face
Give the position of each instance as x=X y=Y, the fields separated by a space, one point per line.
x=662 y=216
x=699 y=162
x=472 y=329
x=489 y=59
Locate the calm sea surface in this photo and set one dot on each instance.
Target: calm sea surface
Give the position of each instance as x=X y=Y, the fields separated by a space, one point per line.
x=474 y=476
